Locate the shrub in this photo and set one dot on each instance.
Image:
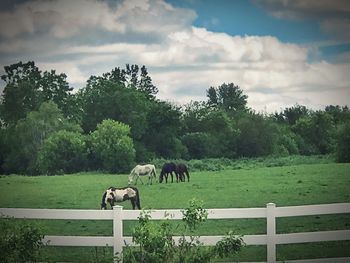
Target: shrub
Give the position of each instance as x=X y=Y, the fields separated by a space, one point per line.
x=63 y=152
x=19 y=242
x=112 y=145
x=157 y=245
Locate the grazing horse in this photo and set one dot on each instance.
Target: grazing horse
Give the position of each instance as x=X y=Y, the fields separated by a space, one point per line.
x=168 y=168
x=113 y=195
x=181 y=170
x=142 y=170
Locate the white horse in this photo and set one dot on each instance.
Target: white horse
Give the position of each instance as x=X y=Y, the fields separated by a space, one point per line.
x=142 y=170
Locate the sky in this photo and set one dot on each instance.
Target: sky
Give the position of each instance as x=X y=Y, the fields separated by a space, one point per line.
x=279 y=52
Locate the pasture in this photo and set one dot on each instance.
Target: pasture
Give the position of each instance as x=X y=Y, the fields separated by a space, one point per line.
x=285 y=186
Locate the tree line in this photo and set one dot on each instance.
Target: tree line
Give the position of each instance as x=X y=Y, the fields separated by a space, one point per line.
x=116 y=120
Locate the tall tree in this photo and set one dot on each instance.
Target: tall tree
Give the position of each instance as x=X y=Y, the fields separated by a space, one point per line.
x=293 y=114
x=27 y=87
x=228 y=97
x=132 y=77
x=106 y=99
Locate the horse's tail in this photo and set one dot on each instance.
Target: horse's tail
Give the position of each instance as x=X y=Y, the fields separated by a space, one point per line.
x=103 y=202
x=137 y=198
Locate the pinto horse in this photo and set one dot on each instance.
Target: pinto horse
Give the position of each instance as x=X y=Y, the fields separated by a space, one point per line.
x=113 y=195
x=142 y=170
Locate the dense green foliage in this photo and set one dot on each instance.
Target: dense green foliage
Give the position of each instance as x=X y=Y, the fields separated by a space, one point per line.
x=63 y=152
x=156 y=242
x=112 y=146
x=36 y=105
x=343 y=142
x=19 y=243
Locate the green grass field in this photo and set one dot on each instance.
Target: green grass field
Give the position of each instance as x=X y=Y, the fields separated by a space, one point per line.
x=247 y=187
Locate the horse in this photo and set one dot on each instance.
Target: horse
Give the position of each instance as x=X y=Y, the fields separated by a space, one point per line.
x=168 y=168
x=181 y=171
x=142 y=170
x=113 y=195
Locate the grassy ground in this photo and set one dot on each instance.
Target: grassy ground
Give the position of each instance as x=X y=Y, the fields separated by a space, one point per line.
x=248 y=186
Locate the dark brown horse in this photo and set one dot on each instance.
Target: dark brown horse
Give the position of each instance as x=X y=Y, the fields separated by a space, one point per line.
x=180 y=171
x=168 y=168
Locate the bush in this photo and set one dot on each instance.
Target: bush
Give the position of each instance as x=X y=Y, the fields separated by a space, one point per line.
x=113 y=147
x=63 y=152
x=19 y=242
x=342 y=151
x=157 y=245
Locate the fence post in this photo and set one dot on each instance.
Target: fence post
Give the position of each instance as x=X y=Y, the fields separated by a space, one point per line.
x=118 y=231
x=271 y=232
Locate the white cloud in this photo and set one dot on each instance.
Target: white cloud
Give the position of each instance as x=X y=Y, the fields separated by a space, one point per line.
x=66 y=18
x=185 y=60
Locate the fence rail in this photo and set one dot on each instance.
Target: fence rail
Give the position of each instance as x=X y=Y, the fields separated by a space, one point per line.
x=118 y=241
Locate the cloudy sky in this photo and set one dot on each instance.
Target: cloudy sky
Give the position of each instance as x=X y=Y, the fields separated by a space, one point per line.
x=280 y=52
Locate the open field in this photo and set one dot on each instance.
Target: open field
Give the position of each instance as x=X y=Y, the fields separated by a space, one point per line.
x=287 y=185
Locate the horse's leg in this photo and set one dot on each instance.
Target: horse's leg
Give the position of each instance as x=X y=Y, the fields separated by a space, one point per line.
x=150 y=179
x=132 y=200
x=139 y=177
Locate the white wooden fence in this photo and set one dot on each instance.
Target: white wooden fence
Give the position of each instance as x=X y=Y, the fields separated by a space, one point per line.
x=271 y=212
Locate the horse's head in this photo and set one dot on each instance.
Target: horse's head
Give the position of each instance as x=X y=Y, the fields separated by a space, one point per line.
x=161 y=177
x=110 y=197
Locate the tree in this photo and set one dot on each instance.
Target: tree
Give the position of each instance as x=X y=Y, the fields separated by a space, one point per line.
x=339 y=114
x=228 y=97
x=134 y=78
x=26 y=137
x=198 y=145
x=112 y=145
x=27 y=88
x=193 y=115
x=258 y=136
x=162 y=133
x=342 y=150
x=63 y=152
x=293 y=114
x=317 y=132
x=104 y=99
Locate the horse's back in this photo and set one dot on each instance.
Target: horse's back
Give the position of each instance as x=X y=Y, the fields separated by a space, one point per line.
x=169 y=167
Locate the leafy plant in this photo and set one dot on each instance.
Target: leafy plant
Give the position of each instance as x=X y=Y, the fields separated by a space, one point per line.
x=156 y=242
x=229 y=245
x=19 y=242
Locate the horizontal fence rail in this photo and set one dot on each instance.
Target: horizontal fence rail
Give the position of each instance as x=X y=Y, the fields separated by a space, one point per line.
x=118 y=241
